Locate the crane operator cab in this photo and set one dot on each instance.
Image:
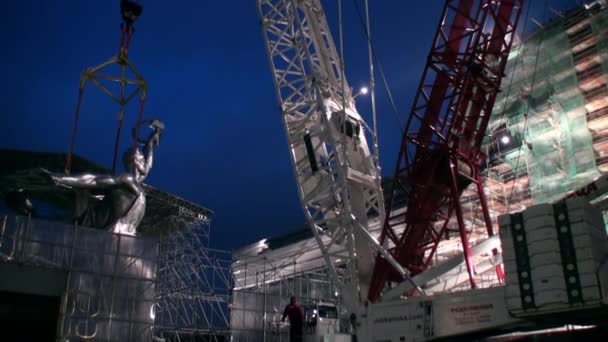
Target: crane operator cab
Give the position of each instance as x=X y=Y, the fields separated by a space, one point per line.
x=322 y=323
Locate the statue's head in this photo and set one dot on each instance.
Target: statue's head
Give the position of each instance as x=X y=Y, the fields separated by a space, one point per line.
x=133 y=160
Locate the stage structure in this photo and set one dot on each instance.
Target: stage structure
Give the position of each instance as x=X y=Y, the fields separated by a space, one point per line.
x=194 y=282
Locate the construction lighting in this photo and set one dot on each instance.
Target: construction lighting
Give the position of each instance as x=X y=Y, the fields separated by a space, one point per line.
x=362 y=91
x=505 y=139
x=152 y=312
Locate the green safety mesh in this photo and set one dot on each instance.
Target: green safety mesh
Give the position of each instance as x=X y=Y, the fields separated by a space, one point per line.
x=599 y=26
x=543 y=108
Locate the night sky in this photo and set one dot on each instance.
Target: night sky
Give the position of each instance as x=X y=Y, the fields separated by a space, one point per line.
x=209 y=81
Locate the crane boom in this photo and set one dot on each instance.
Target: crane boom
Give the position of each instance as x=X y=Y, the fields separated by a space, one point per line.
x=441 y=148
x=335 y=172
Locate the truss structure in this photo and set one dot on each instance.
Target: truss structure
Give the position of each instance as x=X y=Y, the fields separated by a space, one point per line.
x=110 y=278
x=441 y=153
x=261 y=291
x=338 y=181
x=130 y=83
x=193 y=285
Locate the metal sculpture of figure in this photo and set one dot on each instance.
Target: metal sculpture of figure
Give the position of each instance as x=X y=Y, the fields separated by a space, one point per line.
x=125 y=201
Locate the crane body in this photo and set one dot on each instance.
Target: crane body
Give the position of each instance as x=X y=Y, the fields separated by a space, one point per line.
x=335 y=172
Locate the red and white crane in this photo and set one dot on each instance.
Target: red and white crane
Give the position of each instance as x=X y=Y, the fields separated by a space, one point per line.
x=338 y=177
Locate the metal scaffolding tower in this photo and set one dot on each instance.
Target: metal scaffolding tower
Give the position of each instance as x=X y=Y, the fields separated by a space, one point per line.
x=263 y=287
x=193 y=285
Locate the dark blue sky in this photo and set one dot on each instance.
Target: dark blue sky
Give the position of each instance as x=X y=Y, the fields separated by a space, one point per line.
x=210 y=82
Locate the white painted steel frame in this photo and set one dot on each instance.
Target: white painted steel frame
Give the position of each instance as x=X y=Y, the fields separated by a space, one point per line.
x=193 y=285
x=315 y=100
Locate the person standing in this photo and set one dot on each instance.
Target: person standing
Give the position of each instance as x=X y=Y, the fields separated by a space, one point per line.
x=296 y=320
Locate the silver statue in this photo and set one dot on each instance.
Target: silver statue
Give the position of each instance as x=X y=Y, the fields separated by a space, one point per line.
x=124 y=200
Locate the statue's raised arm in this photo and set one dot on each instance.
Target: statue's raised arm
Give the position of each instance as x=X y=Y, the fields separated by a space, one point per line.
x=152 y=141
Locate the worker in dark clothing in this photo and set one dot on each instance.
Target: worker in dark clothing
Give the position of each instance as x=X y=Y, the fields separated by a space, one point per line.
x=296 y=320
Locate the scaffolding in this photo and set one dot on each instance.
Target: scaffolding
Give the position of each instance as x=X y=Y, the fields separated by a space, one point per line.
x=261 y=291
x=116 y=276
x=548 y=131
x=549 y=128
x=110 y=277
x=114 y=291
x=194 y=283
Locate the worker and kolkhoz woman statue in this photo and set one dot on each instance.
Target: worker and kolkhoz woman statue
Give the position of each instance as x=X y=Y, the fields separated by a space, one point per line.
x=124 y=202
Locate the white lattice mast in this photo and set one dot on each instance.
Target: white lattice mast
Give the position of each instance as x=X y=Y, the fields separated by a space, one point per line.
x=335 y=172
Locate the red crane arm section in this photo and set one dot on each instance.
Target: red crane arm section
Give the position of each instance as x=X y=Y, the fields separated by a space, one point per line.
x=440 y=151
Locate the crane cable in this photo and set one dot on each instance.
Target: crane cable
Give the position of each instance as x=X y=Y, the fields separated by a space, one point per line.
x=508 y=93
x=376 y=60
x=517 y=58
x=533 y=81
x=372 y=89
x=342 y=67
x=130 y=11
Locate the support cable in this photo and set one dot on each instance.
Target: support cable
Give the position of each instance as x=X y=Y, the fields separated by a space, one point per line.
x=68 y=163
x=517 y=59
x=380 y=68
x=372 y=89
x=525 y=127
x=130 y=11
x=508 y=93
x=121 y=115
x=342 y=68
x=485 y=173
x=140 y=119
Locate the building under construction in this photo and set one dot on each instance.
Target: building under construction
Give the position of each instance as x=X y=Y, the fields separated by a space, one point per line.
x=548 y=135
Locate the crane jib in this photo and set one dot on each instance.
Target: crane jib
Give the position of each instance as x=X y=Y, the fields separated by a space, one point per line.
x=337 y=178
x=445 y=129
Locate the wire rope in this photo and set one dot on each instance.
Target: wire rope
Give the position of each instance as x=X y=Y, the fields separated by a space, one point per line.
x=533 y=81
